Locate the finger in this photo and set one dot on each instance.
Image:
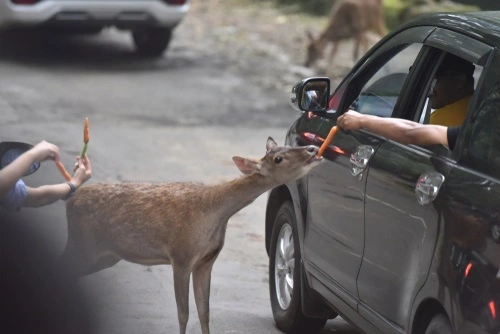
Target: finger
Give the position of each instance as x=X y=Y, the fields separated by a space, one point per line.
x=86 y=161
x=80 y=164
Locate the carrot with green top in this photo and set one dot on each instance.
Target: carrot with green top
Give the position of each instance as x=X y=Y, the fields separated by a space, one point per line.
x=327 y=141
x=86 y=137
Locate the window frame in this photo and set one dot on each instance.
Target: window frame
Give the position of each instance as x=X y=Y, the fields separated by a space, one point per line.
x=489 y=83
x=376 y=58
x=438 y=44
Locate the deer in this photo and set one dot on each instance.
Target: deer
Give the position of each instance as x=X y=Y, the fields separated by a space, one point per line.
x=182 y=224
x=348 y=19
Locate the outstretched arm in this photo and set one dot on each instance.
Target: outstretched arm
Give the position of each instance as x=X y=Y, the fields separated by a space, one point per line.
x=11 y=173
x=48 y=194
x=397 y=129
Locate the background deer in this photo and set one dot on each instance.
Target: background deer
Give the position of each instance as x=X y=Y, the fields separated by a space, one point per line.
x=182 y=224
x=349 y=19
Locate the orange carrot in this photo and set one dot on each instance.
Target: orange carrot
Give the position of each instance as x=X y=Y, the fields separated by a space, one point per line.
x=86 y=137
x=327 y=141
x=63 y=171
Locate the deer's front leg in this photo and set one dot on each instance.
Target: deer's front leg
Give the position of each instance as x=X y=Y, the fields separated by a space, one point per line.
x=201 y=284
x=181 y=287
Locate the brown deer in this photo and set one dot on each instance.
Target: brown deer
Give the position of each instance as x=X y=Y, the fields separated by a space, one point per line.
x=349 y=19
x=182 y=224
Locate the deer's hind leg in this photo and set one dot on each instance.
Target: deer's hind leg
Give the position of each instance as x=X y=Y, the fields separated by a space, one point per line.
x=361 y=42
x=202 y=274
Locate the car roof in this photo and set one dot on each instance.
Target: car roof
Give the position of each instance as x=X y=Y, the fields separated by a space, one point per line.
x=483 y=25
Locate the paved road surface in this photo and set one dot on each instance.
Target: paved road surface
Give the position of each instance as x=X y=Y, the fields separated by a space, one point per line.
x=180 y=118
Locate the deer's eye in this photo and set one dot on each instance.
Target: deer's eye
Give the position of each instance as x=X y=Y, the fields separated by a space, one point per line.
x=277 y=160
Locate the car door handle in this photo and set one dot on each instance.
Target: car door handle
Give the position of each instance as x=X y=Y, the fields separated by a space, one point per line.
x=428 y=186
x=359 y=159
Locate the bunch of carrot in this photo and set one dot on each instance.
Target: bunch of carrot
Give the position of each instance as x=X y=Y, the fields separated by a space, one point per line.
x=86 y=138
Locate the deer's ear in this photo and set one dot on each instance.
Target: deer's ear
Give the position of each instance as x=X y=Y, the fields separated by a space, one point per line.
x=270 y=144
x=246 y=166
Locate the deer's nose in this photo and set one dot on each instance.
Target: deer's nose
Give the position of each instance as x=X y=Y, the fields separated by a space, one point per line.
x=312 y=149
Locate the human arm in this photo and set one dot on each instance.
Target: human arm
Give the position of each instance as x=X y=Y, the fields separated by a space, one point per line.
x=397 y=129
x=11 y=173
x=48 y=194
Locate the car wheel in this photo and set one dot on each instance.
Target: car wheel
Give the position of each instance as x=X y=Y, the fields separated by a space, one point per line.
x=284 y=276
x=152 y=41
x=439 y=325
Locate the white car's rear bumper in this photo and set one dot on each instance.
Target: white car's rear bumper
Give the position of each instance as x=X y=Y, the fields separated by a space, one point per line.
x=80 y=12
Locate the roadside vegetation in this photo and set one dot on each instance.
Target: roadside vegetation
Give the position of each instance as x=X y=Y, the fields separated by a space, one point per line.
x=396 y=11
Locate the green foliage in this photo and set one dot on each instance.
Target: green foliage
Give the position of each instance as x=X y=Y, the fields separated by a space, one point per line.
x=396 y=11
x=482 y=4
x=411 y=12
x=392 y=8
x=316 y=7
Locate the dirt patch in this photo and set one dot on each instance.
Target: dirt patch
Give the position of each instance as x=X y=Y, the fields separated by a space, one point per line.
x=264 y=43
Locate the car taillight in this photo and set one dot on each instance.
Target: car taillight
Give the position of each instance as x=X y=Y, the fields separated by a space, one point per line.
x=25 y=2
x=175 y=2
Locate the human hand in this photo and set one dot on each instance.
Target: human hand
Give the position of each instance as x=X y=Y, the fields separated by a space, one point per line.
x=350 y=120
x=82 y=171
x=44 y=151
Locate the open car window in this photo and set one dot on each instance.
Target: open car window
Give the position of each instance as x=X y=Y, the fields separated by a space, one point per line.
x=381 y=90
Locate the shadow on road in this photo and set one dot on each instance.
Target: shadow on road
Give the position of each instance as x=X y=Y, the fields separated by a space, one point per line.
x=109 y=51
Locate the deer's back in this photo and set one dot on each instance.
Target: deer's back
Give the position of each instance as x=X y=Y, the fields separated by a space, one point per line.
x=354 y=16
x=127 y=214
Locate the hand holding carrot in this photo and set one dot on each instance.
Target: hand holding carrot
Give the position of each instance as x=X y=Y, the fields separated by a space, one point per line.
x=82 y=171
x=82 y=161
x=44 y=151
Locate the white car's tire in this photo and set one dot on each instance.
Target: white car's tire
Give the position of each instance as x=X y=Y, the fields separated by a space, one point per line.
x=152 y=41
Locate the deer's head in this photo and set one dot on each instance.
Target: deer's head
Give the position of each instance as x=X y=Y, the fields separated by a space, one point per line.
x=314 y=50
x=281 y=164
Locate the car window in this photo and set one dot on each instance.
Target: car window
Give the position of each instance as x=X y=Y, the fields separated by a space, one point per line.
x=430 y=109
x=483 y=149
x=381 y=91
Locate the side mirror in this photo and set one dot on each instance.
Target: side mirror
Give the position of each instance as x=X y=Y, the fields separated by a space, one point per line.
x=10 y=151
x=311 y=94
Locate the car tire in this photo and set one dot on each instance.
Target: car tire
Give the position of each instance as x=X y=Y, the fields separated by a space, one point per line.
x=152 y=42
x=285 y=276
x=439 y=324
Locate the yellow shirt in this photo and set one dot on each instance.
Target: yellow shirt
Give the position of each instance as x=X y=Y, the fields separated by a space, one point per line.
x=453 y=114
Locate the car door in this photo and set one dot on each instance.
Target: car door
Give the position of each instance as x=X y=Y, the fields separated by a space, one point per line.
x=470 y=258
x=335 y=234
x=401 y=220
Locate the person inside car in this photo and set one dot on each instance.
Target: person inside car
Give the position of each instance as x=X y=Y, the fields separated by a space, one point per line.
x=14 y=193
x=401 y=130
x=451 y=91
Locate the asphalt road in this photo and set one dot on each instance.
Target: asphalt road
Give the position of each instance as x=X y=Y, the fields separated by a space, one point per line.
x=178 y=118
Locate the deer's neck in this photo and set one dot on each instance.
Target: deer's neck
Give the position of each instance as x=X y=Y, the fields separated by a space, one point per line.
x=234 y=195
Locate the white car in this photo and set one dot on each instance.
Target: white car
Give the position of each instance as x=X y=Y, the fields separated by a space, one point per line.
x=150 y=21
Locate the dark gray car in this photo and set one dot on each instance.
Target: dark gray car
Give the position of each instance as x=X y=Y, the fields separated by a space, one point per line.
x=396 y=238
